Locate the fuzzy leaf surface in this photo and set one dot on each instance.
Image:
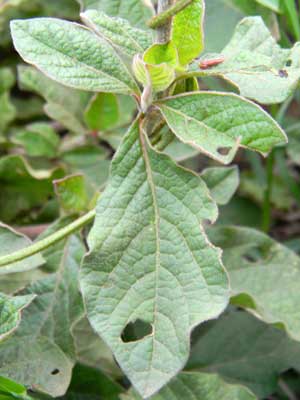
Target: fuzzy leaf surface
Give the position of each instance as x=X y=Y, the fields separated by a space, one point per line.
x=150 y=261
x=72 y=55
x=211 y=121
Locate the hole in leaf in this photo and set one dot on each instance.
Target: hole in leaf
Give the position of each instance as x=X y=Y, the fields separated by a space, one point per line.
x=253 y=255
x=288 y=63
x=136 y=330
x=55 y=371
x=224 y=151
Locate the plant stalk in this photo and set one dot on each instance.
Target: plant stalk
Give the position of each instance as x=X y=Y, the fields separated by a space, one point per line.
x=162 y=18
x=48 y=241
x=164 y=31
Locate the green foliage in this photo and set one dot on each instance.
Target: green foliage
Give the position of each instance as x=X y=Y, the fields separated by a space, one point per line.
x=110 y=150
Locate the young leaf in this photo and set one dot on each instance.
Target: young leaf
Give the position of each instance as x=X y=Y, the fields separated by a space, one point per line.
x=162 y=274
x=212 y=121
x=197 y=385
x=243 y=349
x=256 y=64
x=64 y=104
x=118 y=31
x=41 y=353
x=264 y=275
x=12 y=241
x=72 y=55
x=71 y=192
x=136 y=12
x=10 y=313
x=187 y=32
x=12 y=389
x=222 y=182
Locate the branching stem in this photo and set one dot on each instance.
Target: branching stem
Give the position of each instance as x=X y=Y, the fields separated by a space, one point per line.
x=162 y=18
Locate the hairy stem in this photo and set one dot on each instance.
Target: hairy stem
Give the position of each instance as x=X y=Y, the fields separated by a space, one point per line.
x=164 y=17
x=48 y=241
x=164 y=31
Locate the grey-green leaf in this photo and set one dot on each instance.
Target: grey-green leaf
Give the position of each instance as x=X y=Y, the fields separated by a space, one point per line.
x=12 y=241
x=213 y=122
x=10 y=312
x=244 y=350
x=257 y=65
x=222 y=182
x=41 y=352
x=200 y=386
x=150 y=263
x=137 y=12
x=264 y=275
x=118 y=31
x=72 y=55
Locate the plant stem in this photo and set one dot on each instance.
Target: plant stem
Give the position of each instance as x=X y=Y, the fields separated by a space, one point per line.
x=48 y=241
x=164 y=31
x=162 y=18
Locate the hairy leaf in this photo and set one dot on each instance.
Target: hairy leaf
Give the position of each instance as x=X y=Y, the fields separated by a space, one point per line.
x=151 y=264
x=118 y=31
x=10 y=312
x=187 y=32
x=41 y=353
x=137 y=12
x=244 y=350
x=72 y=55
x=222 y=182
x=254 y=63
x=12 y=241
x=212 y=121
x=264 y=275
x=197 y=385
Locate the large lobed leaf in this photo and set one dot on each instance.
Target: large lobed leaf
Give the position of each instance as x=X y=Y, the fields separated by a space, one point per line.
x=150 y=261
x=257 y=65
x=212 y=121
x=72 y=55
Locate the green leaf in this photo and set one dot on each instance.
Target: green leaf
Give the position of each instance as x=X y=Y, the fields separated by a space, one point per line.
x=52 y=46
x=196 y=385
x=118 y=32
x=91 y=349
x=71 y=192
x=244 y=350
x=92 y=163
x=10 y=313
x=41 y=353
x=64 y=104
x=163 y=267
x=39 y=140
x=23 y=187
x=12 y=241
x=187 y=32
x=137 y=12
x=222 y=182
x=264 y=275
x=211 y=121
x=256 y=65
x=102 y=112
x=13 y=389
x=157 y=66
x=291 y=11
x=274 y=5
x=7 y=79
x=7 y=112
